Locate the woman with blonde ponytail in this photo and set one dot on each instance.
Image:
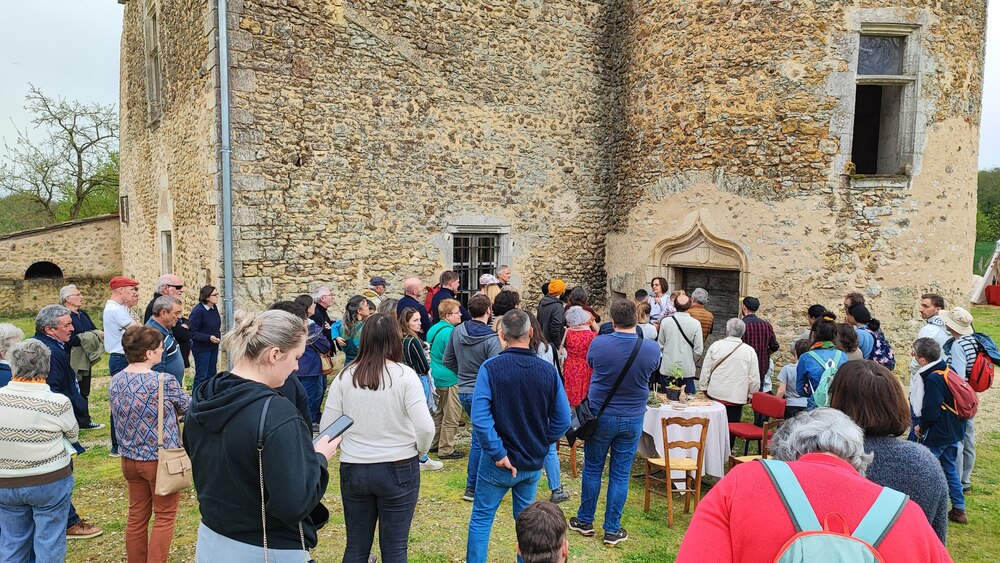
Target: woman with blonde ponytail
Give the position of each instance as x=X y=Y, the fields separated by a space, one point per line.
x=258 y=475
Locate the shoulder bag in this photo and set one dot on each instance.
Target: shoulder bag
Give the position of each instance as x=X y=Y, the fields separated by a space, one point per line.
x=582 y=421
x=681 y=330
x=173 y=466
x=260 y=470
x=724 y=358
x=325 y=361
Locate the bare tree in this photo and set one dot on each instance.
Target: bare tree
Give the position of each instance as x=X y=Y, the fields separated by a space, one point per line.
x=76 y=159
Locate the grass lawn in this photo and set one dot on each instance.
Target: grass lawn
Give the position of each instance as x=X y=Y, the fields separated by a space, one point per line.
x=440 y=523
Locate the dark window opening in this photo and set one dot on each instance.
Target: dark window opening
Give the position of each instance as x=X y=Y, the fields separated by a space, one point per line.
x=43 y=270
x=876 y=145
x=472 y=256
x=723 y=287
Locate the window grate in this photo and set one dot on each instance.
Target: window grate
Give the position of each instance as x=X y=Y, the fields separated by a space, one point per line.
x=473 y=254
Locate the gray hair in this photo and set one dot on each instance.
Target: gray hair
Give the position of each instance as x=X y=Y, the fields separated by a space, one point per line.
x=699 y=295
x=165 y=279
x=30 y=359
x=515 y=324
x=822 y=430
x=65 y=292
x=9 y=335
x=48 y=317
x=253 y=334
x=320 y=292
x=927 y=348
x=736 y=327
x=576 y=316
x=164 y=303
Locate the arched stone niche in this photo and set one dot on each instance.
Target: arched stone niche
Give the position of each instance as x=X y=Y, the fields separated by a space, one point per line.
x=699 y=248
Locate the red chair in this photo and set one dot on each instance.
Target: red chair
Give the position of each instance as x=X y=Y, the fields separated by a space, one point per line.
x=766 y=404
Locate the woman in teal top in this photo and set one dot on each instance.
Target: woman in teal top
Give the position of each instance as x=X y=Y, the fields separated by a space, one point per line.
x=356 y=312
x=812 y=364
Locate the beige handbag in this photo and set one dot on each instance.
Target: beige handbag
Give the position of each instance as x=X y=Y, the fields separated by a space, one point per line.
x=173 y=466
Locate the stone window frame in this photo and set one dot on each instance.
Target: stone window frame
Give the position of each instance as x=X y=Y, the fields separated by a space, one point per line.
x=151 y=52
x=478 y=226
x=912 y=24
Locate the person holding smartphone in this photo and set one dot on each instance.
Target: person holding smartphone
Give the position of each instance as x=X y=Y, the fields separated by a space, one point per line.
x=379 y=468
x=245 y=439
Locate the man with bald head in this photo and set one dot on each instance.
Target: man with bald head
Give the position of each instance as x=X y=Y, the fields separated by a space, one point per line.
x=681 y=344
x=411 y=294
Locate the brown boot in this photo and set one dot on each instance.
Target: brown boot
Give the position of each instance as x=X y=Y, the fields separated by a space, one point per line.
x=958 y=516
x=82 y=530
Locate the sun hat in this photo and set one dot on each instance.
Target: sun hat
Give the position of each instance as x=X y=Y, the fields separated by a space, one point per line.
x=958 y=319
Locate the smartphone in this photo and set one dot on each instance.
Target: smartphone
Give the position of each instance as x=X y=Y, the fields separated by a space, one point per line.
x=336 y=428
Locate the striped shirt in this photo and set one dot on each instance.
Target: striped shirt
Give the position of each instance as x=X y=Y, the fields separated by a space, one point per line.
x=962 y=355
x=35 y=426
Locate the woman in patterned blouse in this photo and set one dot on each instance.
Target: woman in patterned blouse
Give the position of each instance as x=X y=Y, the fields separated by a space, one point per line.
x=134 y=398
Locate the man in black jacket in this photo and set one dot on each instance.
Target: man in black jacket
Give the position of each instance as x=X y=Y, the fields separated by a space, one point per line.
x=552 y=315
x=172 y=285
x=323 y=298
x=449 y=290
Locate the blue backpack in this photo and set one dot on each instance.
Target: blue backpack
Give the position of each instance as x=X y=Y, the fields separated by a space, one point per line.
x=814 y=543
x=882 y=351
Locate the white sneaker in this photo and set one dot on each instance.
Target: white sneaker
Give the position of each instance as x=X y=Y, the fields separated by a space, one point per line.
x=431 y=465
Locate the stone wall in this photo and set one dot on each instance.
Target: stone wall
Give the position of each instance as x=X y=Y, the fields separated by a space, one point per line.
x=738 y=115
x=170 y=169
x=364 y=132
x=87 y=251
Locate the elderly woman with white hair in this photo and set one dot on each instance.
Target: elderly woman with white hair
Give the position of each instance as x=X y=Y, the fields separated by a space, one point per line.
x=744 y=518
x=9 y=336
x=729 y=373
x=577 y=339
x=36 y=479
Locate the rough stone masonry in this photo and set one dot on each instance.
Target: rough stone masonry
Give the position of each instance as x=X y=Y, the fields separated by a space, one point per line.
x=603 y=142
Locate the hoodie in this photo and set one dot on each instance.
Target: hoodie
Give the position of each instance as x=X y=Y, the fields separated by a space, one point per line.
x=220 y=435
x=437 y=338
x=552 y=315
x=470 y=344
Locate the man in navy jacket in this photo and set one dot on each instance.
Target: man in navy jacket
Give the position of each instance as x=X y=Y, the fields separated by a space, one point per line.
x=53 y=327
x=519 y=408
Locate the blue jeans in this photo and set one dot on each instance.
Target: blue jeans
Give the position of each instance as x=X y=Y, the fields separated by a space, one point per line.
x=551 y=465
x=206 y=366
x=689 y=387
x=314 y=386
x=493 y=484
x=947 y=456
x=967 y=453
x=475 y=451
x=620 y=435
x=116 y=363
x=33 y=522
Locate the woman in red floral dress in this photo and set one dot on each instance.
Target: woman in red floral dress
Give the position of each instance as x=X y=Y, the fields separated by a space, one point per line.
x=576 y=371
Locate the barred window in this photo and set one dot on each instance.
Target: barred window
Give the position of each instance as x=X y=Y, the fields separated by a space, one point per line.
x=474 y=254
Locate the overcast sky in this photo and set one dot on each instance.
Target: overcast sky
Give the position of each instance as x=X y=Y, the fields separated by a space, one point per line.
x=70 y=48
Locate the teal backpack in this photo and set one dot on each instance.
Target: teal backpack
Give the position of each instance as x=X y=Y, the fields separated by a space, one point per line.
x=821 y=395
x=820 y=544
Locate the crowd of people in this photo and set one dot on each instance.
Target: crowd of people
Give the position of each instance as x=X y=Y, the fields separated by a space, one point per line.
x=406 y=369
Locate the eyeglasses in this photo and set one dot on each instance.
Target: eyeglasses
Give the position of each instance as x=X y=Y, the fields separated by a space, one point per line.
x=214 y=295
x=177 y=287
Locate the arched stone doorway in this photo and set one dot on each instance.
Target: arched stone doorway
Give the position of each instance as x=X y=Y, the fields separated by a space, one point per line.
x=699 y=258
x=43 y=270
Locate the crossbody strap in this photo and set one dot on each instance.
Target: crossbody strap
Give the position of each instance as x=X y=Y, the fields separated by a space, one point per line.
x=159 y=411
x=886 y=509
x=724 y=358
x=792 y=496
x=681 y=330
x=260 y=469
x=621 y=376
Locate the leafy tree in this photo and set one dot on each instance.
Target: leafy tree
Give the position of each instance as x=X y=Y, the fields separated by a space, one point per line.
x=988 y=207
x=19 y=212
x=76 y=160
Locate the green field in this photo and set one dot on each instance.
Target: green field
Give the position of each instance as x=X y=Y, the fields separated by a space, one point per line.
x=440 y=523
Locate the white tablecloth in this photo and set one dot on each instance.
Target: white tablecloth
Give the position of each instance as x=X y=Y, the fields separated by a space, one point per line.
x=716 y=443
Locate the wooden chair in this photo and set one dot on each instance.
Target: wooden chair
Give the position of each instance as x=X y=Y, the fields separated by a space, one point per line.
x=571 y=454
x=770 y=427
x=765 y=404
x=692 y=467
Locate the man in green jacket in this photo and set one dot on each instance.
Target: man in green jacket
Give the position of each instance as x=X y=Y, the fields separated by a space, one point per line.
x=449 y=411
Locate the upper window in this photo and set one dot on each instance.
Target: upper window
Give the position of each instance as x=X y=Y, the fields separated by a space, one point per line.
x=885 y=100
x=151 y=34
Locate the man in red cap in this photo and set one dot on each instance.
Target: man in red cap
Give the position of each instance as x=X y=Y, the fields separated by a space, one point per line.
x=119 y=315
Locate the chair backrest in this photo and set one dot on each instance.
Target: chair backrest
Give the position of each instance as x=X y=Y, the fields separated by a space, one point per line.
x=768 y=405
x=770 y=427
x=688 y=423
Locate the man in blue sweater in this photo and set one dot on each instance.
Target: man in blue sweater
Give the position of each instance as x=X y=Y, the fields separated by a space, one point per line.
x=519 y=409
x=620 y=427
x=938 y=426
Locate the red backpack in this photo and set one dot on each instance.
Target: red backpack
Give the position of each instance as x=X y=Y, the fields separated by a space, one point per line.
x=981 y=377
x=429 y=300
x=966 y=401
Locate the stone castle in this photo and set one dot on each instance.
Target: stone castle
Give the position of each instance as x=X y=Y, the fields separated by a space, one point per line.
x=792 y=150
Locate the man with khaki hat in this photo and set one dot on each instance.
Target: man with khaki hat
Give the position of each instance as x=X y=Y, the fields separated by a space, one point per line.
x=961 y=356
